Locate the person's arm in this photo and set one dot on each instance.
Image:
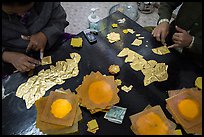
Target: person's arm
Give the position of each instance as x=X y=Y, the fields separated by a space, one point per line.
x=161 y=31
x=56 y=25
x=166 y=9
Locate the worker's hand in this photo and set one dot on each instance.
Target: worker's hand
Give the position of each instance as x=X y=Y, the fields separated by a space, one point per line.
x=181 y=39
x=37 y=42
x=161 y=31
x=20 y=61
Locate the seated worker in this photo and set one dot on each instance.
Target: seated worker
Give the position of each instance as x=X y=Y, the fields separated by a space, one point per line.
x=185 y=32
x=29 y=27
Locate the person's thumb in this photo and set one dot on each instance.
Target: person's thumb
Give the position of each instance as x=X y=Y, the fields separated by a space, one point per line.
x=180 y=29
x=25 y=37
x=29 y=47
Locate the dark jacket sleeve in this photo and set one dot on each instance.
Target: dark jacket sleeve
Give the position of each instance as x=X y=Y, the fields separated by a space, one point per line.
x=166 y=9
x=197 y=45
x=56 y=25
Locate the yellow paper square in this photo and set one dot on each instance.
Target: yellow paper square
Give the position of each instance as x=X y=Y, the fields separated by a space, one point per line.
x=92 y=124
x=76 y=42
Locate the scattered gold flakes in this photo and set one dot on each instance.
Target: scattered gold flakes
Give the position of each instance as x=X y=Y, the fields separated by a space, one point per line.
x=121 y=20
x=161 y=50
x=92 y=126
x=152 y=70
x=137 y=35
x=131 y=31
x=37 y=85
x=140 y=37
x=114 y=25
x=126 y=89
x=113 y=37
x=46 y=60
x=137 y=42
x=198 y=82
x=128 y=30
x=76 y=42
x=114 y=69
x=118 y=81
x=125 y=31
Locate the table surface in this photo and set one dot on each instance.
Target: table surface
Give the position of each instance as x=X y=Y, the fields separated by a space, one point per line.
x=16 y=119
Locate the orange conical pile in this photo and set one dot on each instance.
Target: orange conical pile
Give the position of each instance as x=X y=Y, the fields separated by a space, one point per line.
x=58 y=113
x=152 y=121
x=98 y=92
x=185 y=105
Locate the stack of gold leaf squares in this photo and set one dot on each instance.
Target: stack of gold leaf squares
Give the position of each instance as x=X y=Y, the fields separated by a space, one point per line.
x=58 y=113
x=185 y=105
x=98 y=92
x=92 y=126
x=37 y=85
x=152 y=121
x=152 y=70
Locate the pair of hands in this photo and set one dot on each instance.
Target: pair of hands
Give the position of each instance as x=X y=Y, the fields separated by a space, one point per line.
x=181 y=38
x=23 y=62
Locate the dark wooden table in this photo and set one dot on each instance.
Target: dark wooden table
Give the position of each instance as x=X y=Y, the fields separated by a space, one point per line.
x=16 y=119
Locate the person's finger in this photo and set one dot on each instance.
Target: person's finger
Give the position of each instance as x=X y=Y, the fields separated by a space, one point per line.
x=23 y=68
x=34 y=61
x=180 y=29
x=29 y=65
x=175 y=37
x=173 y=46
x=177 y=42
x=29 y=47
x=153 y=31
x=25 y=37
x=36 y=48
x=177 y=34
x=163 y=36
x=158 y=35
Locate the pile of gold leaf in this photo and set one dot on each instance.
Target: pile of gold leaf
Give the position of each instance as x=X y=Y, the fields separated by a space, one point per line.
x=37 y=85
x=98 y=92
x=161 y=50
x=92 y=126
x=58 y=113
x=152 y=121
x=152 y=70
x=185 y=106
x=113 y=37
